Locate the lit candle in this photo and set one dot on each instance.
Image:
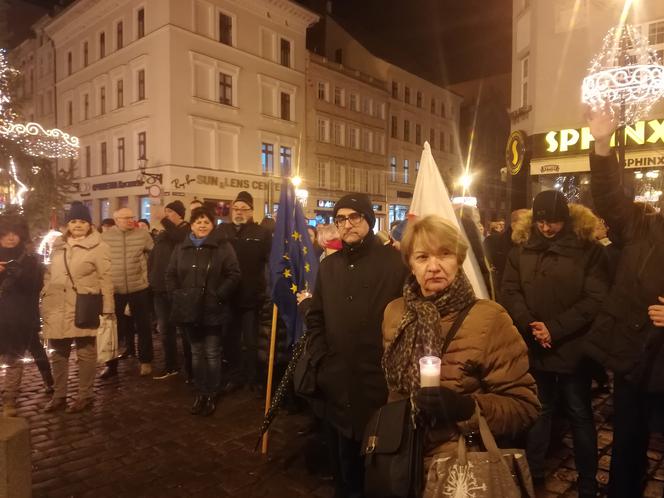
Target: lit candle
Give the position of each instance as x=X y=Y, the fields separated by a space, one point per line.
x=429 y=371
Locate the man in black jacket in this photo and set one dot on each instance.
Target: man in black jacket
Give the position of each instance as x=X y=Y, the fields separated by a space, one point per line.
x=628 y=335
x=353 y=288
x=175 y=231
x=252 y=245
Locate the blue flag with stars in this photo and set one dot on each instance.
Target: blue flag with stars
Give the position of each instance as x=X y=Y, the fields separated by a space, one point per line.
x=293 y=262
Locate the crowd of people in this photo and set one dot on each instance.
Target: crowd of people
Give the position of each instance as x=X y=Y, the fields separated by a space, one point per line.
x=571 y=299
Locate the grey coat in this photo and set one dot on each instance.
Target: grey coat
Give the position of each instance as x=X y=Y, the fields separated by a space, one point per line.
x=129 y=251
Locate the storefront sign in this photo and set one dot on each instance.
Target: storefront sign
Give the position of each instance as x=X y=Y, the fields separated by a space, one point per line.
x=239 y=183
x=325 y=203
x=515 y=153
x=117 y=184
x=565 y=165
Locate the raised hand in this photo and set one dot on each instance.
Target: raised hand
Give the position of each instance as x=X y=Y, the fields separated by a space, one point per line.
x=602 y=124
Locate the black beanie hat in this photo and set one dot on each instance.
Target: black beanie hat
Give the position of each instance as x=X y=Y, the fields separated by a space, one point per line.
x=550 y=205
x=245 y=197
x=78 y=211
x=176 y=206
x=360 y=203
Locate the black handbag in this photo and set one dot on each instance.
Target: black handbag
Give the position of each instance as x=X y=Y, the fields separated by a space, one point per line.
x=188 y=303
x=393 y=444
x=88 y=306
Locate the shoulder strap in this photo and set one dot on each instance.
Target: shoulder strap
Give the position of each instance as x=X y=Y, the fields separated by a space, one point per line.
x=69 y=272
x=456 y=326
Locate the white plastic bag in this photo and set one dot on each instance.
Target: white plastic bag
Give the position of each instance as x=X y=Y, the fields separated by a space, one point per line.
x=107 y=339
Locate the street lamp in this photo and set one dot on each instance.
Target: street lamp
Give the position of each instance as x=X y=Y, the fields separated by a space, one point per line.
x=142 y=164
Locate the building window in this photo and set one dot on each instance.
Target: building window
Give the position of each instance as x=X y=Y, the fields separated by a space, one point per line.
x=323 y=130
x=656 y=33
x=419 y=99
x=393 y=168
x=524 y=81
x=322 y=174
x=433 y=106
x=285 y=159
x=354 y=135
x=395 y=90
x=86 y=106
x=267 y=158
x=70 y=63
x=442 y=109
x=120 y=93
x=394 y=128
x=335 y=176
x=354 y=102
x=323 y=91
x=225 y=89
x=350 y=178
x=70 y=113
x=366 y=106
x=85 y=54
x=102 y=100
x=339 y=130
x=285 y=106
x=88 y=161
x=121 y=154
x=141 y=84
x=339 y=97
x=406 y=171
x=418 y=134
x=104 y=159
x=118 y=35
x=225 y=29
x=140 y=18
x=367 y=140
x=285 y=58
x=406 y=130
x=432 y=137
x=102 y=45
x=406 y=95
x=142 y=145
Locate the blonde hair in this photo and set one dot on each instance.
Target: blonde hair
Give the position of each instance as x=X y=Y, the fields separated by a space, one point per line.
x=435 y=233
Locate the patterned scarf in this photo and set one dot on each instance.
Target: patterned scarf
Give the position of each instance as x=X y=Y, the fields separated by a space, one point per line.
x=419 y=332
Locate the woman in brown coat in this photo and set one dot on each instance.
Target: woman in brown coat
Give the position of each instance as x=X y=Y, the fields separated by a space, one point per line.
x=89 y=260
x=486 y=361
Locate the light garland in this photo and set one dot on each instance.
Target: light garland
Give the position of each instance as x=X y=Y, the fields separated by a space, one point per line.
x=626 y=77
x=37 y=141
x=19 y=197
x=46 y=245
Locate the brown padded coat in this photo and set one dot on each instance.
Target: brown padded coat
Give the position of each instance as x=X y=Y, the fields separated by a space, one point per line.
x=90 y=263
x=488 y=360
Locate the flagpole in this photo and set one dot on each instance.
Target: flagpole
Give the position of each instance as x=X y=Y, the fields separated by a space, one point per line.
x=270 y=370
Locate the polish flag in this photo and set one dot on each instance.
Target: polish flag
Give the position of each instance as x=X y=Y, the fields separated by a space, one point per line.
x=431 y=197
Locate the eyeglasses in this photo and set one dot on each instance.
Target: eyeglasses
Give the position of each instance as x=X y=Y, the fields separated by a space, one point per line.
x=242 y=210
x=354 y=219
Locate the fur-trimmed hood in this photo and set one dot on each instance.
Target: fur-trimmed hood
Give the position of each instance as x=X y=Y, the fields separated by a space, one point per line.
x=582 y=220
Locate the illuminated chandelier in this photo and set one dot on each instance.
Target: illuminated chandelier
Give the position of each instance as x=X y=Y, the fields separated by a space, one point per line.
x=626 y=77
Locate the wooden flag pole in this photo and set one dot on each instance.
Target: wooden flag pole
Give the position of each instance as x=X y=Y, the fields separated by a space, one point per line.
x=270 y=370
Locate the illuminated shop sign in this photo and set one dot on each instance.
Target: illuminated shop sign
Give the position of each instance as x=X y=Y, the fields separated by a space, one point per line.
x=325 y=203
x=569 y=141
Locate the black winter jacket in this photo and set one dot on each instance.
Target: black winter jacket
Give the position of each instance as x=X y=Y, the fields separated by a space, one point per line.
x=561 y=282
x=623 y=338
x=160 y=256
x=252 y=245
x=352 y=290
x=188 y=268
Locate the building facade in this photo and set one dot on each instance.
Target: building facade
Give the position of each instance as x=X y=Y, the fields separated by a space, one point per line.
x=553 y=45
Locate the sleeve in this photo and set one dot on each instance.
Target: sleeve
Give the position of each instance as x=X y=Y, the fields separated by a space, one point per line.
x=511 y=294
x=172 y=282
x=149 y=243
x=315 y=321
x=595 y=288
x=509 y=401
x=106 y=278
x=230 y=272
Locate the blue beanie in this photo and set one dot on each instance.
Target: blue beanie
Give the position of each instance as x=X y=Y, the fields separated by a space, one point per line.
x=78 y=211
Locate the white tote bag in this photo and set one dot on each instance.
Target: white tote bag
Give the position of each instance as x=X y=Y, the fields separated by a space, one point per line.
x=107 y=339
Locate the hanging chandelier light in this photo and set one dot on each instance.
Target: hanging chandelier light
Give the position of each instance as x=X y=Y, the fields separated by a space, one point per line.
x=626 y=76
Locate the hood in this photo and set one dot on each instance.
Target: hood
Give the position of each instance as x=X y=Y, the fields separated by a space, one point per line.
x=92 y=240
x=581 y=219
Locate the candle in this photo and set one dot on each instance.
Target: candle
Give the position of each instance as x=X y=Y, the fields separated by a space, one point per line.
x=429 y=371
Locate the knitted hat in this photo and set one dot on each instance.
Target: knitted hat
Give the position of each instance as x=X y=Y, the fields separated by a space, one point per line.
x=176 y=206
x=245 y=197
x=550 y=205
x=357 y=202
x=78 y=211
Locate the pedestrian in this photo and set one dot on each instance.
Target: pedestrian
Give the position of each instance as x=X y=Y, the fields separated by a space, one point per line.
x=208 y=264
x=329 y=240
x=21 y=277
x=313 y=237
x=252 y=245
x=143 y=224
x=80 y=264
x=628 y=335
x=553 y=285
x=344 y=321
x=176 y=230
x=129 y=253
x=417 y=324
x=106 y=224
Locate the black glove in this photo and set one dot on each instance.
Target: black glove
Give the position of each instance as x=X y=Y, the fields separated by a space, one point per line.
x=444 y=405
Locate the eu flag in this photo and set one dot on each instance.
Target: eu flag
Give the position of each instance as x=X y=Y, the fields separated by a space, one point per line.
x=293 y=262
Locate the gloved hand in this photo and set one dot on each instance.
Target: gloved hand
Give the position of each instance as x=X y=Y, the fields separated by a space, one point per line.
x=444 y=405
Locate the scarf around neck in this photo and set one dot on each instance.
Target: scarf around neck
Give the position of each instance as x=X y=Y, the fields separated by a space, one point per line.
x=419 y=333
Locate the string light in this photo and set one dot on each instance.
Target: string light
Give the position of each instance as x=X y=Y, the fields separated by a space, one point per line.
x=46 y=245
x=19 y=197
x=626 y=76
x=37 y=141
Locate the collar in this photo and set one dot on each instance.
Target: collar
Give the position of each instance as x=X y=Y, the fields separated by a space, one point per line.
x=356 y=250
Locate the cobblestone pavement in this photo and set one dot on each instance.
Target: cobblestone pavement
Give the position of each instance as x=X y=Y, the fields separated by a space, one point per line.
x=139 y=440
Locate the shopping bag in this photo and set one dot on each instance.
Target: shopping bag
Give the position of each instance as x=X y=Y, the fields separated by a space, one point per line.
x=107 y=339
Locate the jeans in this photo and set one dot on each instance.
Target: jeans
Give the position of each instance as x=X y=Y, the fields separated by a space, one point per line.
x=634 y=412
x=86 y=357
x=347 y=464
x=205 y=358
x=575 y=391
x=240 y=346
x=140 y=320
x=169 y=333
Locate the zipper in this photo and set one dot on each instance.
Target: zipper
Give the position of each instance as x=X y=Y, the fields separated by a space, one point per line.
x=124 y=259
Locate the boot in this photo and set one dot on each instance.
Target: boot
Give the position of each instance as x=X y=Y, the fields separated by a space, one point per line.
x=80 y=405
x=56 y=404
x=47 y=377
x=209 y=407
x=111 y=370
x=199 y=404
